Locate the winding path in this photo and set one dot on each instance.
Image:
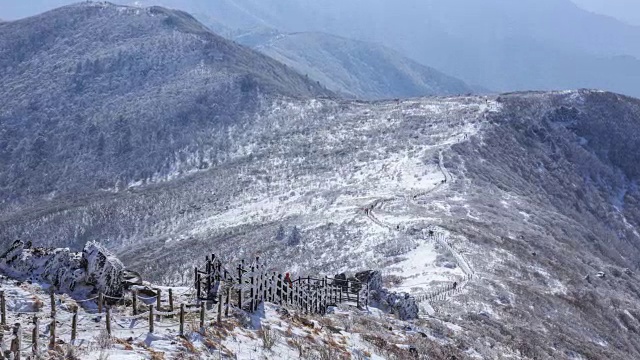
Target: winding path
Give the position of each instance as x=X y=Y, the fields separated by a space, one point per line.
x=442 y=292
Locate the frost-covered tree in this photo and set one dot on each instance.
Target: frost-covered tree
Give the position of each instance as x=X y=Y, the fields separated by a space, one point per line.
x=295 y=237
x=280 y=233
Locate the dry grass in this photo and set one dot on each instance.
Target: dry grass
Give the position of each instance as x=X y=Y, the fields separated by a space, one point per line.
x=269 y=337
x=124 y=343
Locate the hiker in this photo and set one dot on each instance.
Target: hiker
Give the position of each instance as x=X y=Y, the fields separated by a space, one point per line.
x=455 y=285
x=287 y=280
x=430 y=233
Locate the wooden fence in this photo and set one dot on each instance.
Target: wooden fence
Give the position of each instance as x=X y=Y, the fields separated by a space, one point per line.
x=252 y=284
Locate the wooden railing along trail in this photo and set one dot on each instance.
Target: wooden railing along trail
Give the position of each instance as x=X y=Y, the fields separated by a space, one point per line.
x=253 y=284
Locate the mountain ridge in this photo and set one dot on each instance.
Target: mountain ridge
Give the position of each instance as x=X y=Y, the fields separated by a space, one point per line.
x=88 y=79
x=353 y=67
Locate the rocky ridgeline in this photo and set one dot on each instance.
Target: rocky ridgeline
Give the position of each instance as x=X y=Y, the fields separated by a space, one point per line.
x=400 y=304
x=94 y=269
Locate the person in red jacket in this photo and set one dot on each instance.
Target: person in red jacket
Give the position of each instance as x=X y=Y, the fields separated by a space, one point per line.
x=287 y=280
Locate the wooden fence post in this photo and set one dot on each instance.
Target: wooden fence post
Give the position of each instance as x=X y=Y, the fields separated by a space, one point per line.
x=181 y=319
x=52 y=297
x=100 y=300
x=219 y=306
x=240 y=286
x=17 y=341
x=202 y=318
x=74 y=326
x=196 y=282
x=158 y=300
x=226 y=308
x=108 y=320
x=170 y=301
x=134 y=298
x=308 y=295
x=52 y=333
x=208 y=271
x=252 y=304
x=3 y=309
x=279 y=290
x=35 y=335
x=264 y=286
x=150 y=318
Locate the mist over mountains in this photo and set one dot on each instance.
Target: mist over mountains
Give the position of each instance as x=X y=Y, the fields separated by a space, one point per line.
x=498 y=44
x=355 y=68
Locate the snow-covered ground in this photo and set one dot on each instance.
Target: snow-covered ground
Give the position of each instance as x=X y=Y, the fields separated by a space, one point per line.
x=270 y=332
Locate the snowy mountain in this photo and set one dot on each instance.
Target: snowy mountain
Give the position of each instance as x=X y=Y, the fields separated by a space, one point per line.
x=540 y=198
x=351 y=67
x=96 y=96
x=521 y=210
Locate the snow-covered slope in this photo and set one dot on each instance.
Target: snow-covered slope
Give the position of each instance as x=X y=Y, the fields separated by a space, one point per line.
x=271 y=332
x=540 y=192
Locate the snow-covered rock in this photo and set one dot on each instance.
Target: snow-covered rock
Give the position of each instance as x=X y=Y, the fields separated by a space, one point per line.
x=65 y=270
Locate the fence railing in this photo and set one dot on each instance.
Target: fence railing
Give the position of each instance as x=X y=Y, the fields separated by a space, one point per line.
x=252 y=284
x=102 y=312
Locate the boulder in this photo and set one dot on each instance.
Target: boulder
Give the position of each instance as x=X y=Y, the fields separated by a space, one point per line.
x=65 y=270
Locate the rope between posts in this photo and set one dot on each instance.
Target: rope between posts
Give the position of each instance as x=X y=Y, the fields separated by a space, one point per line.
x=84 y=300
x=159 y=324
x=135 y=317
x=113 y=298
x=165 y=313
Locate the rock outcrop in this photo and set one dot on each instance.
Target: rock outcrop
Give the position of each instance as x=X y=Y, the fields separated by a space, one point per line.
x=401 y=304
x=95 y=267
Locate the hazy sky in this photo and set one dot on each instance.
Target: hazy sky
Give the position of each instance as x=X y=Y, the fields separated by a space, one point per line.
x=625 y=10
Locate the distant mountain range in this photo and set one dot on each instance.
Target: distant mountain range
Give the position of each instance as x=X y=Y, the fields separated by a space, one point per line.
x=501 y=45
x=356 y=68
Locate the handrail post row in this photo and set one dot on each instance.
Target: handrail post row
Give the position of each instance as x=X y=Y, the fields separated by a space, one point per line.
x=219 y=306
